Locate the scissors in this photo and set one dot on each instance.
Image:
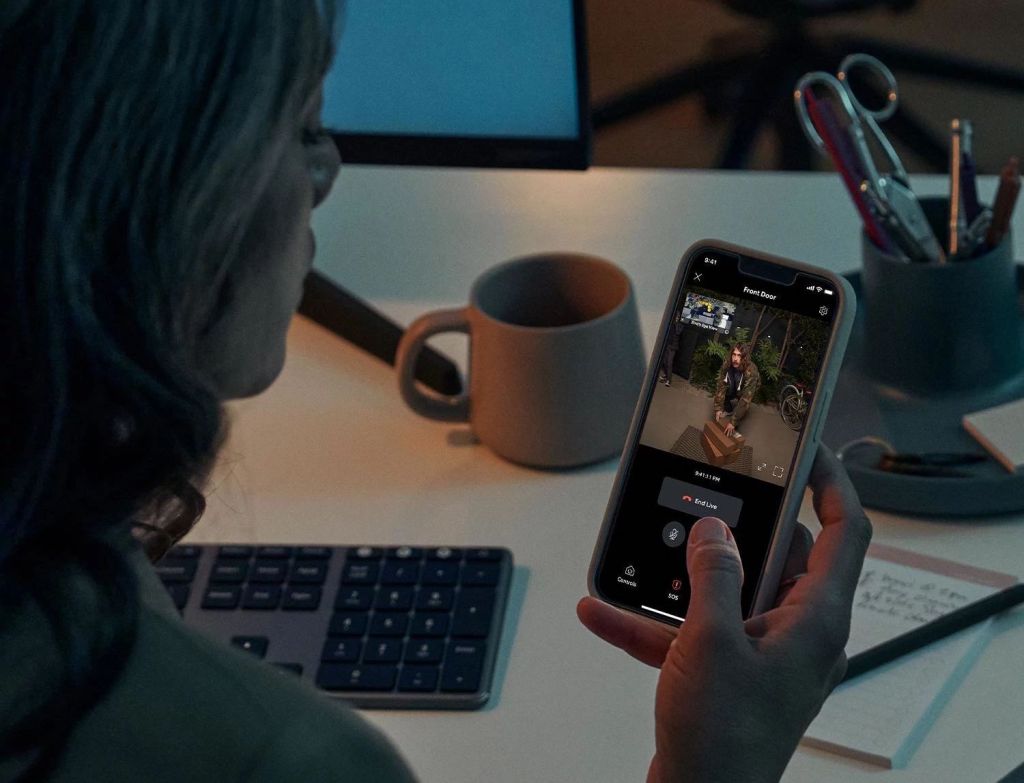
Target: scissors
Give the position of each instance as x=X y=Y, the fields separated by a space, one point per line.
x=887 y=192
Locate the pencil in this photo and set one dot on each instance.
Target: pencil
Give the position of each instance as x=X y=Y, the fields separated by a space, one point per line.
x=956 y=222
x=944 y=626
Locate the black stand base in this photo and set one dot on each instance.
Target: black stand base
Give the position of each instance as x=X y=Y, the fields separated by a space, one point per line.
x=353 y=320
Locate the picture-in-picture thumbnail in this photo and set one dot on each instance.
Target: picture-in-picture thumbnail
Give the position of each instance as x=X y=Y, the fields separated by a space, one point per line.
x=708 y=313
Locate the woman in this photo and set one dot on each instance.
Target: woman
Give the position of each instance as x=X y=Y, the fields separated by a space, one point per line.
x=160 y=161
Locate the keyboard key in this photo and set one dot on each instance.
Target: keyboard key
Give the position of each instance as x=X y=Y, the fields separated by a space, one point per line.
x=382 y=650
x=348 y=624
x=301 y=598
x=341 y=650
x=362 y=677
x=429 y=624
x=411 y=619
x=418 y=678
x=354 y=598
x=233 y=551
x=269 y=571
x=365 y=553
x=389 y=623
x=398 y=572
x=274 y=552
x=466 y=651
x=395 y=598
x=404 y=553
x=313 y=552
x=473 y=612
x=222 y=597
x=261 y=597
x=480 y=574
x=483 y=554
x=424 y=651
x=437 y=600
x=360 y=573
x=182 y=571
x=229 y=572
x=183 y=552
x=257 y=645
x=444 y=553
x=463 y=667
x=308 y=572
x=179 y=594
x=441 y=573
x=460 y=678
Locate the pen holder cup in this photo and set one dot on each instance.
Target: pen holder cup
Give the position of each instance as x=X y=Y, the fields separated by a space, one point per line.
x=935 y=328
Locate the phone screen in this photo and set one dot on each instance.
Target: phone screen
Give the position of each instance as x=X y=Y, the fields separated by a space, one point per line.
x=720 y=428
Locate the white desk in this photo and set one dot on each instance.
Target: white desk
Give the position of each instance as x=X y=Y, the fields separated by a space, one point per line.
x=330 y=454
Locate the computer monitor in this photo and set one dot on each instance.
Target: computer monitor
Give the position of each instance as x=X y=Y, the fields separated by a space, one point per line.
x=461 y=83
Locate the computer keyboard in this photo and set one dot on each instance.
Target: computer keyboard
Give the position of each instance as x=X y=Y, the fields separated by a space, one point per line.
x=386 y=627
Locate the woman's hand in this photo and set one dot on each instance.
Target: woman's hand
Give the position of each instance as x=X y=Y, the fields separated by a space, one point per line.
x=735 y=697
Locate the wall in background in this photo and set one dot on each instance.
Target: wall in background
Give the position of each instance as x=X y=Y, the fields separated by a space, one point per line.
x=631 y=42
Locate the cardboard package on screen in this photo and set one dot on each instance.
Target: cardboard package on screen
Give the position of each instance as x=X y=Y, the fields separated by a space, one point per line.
x=720 y=449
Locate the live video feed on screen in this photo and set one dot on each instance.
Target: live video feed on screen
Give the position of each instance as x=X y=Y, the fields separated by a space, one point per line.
x=735 y=383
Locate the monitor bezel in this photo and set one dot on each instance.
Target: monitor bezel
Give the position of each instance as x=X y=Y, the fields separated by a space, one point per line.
x=485 y=151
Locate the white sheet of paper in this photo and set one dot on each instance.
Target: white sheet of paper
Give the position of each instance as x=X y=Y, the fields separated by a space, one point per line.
x=881 y=716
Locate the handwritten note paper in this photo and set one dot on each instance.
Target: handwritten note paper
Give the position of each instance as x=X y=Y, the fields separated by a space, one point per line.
x=882 y=716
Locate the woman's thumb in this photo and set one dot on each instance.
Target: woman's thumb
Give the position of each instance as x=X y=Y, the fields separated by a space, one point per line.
x=716 y=574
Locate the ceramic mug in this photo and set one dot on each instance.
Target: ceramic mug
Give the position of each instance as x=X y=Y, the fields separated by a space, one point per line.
x=555 y=360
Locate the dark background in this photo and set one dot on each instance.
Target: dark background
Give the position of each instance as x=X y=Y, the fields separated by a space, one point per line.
x=633 y=42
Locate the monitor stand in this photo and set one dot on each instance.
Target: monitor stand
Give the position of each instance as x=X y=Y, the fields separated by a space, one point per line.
x=334 y=308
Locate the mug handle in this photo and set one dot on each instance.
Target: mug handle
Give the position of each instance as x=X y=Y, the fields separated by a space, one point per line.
x=427 y=402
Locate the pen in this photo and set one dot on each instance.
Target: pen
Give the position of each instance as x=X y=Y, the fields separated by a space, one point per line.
x=956 y=226
x=968 y=173
x=1006 y=198
x=944 y=626
x=841 y=151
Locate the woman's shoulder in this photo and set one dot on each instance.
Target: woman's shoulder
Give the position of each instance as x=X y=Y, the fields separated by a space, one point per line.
x=190 y=708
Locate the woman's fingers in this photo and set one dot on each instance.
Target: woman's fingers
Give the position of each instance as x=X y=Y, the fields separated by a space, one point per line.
x=835 y=561
x=644 y=639
x=796 y=561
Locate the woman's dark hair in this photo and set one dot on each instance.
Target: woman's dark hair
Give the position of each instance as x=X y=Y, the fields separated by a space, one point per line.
x=135 y=141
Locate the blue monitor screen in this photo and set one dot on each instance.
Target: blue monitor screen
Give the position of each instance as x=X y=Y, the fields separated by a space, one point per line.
x=457 y=68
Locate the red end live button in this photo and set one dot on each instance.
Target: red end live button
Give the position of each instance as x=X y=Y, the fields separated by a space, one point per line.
x=691 y=499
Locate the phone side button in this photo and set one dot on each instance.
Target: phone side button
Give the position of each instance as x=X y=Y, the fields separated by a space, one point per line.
x=821 y=419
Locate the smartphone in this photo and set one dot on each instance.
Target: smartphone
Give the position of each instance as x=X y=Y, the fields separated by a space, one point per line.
x=727 y=425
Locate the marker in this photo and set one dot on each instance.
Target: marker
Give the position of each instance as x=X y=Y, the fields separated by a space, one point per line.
x=1006 y=198
x=944 y=626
